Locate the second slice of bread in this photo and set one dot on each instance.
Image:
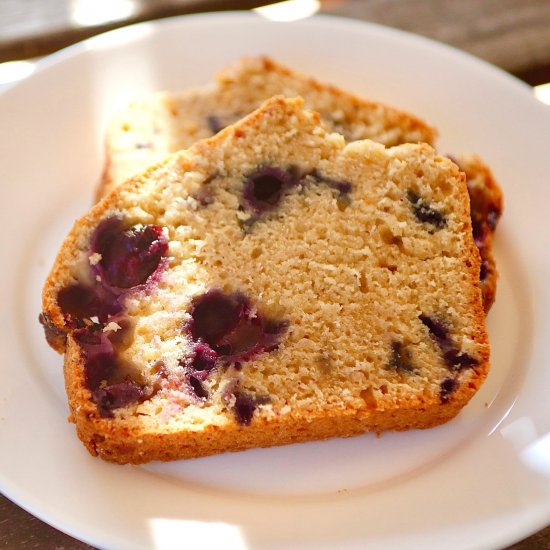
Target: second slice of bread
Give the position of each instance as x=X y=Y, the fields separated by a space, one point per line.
x=159 y=124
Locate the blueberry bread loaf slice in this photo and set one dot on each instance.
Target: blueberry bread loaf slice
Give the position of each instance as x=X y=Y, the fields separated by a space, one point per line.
x=155 y=125
x=163 y=123
x=270 y=285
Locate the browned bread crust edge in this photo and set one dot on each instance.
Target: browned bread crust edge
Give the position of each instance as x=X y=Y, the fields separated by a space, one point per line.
x=127 y=445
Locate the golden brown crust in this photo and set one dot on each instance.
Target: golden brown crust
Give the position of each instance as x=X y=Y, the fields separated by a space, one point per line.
x=354 y=108
x=128 y=444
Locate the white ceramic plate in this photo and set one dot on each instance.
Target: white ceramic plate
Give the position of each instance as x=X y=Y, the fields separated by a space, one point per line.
x=481 y=481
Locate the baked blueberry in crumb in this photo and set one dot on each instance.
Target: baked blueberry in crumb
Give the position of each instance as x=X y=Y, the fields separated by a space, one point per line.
x=100 y=368
x=116 y=396
x=436 y=328
x=458 y=361
x=127 y=257
x=214 y=314
x=204 y=358
x=197 y=387
x=400 y=358
x=99 y=356
x=343 y=188
x=446 y=388
x=264 y=188
x=79 y=302
x=231 y=327
x=454 y=359
x=245 y=405
x=120 y=259
x=424 y=212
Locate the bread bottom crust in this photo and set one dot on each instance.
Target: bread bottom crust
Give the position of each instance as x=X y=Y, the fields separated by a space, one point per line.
x=113 y=440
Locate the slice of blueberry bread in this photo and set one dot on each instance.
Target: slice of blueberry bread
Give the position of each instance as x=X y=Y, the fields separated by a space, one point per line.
x=163 y=123
x=155 y=125
x=269 y=285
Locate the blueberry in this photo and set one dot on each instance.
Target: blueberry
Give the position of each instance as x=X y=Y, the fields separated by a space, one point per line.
x=99 y=357
x=245 y=405
x=226 y=328
x=198 y=388
x=424 y=212
x=455 y=359
x=204 y=358
x=246 y=335
x=446 y=388
x=79 y=302
x=100 y=370
x=128 y=256
x=214 y=315
x=436 y=328
x=264 y=188
x=116 y=396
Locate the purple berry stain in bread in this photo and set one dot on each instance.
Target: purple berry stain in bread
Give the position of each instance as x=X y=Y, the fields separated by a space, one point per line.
x=128 y=257
x=99 y=355
x=264 y=188
x=424 y=213
x=124 y=259
x=232 y=328
x=446 y=388
x=197 y=387
x=343 y=188
x=116 y=396
x=204 y=358
x=78 y=302
x=455 y=359
x=245 y=405
x=101 y=369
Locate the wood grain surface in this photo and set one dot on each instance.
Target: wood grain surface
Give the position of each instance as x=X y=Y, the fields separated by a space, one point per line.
x=513 y=34
x=20 y=530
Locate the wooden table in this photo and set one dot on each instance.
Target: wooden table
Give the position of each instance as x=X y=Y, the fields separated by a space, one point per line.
x=513 y=34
